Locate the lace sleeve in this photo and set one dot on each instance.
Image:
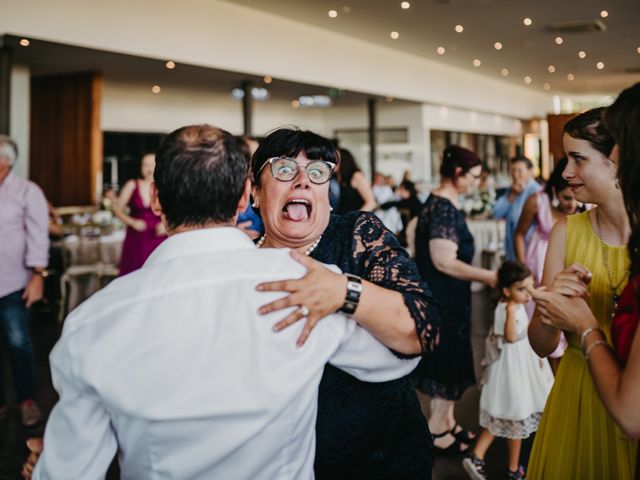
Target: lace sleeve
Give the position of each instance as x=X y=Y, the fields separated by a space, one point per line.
x=442 y=219
x=380 y=259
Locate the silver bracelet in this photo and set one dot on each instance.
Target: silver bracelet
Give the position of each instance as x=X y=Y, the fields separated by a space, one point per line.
x=583 y=337
x=592 y=346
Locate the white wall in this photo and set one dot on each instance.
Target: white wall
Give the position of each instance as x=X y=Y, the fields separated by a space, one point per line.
x=221 y=35
x=19 y=107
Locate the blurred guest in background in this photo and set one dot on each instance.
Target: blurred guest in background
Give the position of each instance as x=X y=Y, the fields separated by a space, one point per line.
x=509 y=206
x=384 y=193
x=249 y=221
x=355 y=189
x=144 y=228
x=409 y=206
x=24 y=221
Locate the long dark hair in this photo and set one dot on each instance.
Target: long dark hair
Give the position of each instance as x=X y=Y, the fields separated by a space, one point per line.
x=347 y=167
x=623 y=121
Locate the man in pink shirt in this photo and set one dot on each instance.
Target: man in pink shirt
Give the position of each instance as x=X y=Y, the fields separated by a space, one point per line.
x=23 y=258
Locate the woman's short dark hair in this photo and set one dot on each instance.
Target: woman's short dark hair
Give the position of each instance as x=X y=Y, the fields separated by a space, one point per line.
x=455 y=156
x=290 y=142
x=510 y=272
x=200 y=175
x=523 y=159
x=557 y=182
x=623 y=121
x=590 y=126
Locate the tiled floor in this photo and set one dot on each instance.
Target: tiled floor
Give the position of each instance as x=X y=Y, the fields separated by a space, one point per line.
x=45 y=331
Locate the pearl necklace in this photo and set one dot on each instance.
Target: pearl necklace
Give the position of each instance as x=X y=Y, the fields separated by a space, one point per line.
x=307 y=252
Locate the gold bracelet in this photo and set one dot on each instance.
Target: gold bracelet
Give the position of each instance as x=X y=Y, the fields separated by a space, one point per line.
x=592 y=346
x=583 y=337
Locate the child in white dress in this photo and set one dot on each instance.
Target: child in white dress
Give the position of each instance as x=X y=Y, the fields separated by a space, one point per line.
x=516 y=381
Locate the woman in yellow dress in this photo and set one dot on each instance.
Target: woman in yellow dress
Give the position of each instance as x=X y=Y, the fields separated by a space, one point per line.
x=577 y=438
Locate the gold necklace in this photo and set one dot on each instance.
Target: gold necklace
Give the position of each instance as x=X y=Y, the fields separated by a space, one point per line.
x=605 y=258
x=307 y=252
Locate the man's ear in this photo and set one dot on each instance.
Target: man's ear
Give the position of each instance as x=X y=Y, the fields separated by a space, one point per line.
x=244 y=199
x=155 y=201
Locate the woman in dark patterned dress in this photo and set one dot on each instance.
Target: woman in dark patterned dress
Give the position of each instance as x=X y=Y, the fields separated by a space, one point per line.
x=364 y=430
x=444 y=250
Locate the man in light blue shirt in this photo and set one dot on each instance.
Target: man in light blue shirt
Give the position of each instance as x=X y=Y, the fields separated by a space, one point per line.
x=509 y=206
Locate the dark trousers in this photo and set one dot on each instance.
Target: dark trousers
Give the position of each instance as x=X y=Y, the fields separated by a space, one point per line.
x=14 y=324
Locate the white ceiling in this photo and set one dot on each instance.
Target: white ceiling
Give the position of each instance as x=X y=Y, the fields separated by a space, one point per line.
x=527 y=51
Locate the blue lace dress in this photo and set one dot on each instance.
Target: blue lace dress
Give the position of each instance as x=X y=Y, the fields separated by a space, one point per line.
x=374 y=430
x=448 y=371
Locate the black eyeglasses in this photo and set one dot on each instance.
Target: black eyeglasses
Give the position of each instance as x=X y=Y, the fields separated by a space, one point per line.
x=286 y=169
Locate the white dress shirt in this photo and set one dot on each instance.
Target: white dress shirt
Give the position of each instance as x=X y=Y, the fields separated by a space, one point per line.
x=172 y=366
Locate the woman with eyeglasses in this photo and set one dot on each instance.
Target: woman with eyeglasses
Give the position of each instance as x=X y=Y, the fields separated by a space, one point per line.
x=363 y=430
x=444 y=250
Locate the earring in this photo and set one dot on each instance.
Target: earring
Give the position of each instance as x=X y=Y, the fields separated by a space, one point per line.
x=330 y=208
x=254 y=205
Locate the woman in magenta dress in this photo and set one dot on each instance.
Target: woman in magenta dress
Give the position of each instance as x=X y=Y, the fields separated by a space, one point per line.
x=616 y=373
x=144 y=228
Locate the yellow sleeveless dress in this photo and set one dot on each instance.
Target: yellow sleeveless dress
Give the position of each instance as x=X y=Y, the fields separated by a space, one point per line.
x=577 y=438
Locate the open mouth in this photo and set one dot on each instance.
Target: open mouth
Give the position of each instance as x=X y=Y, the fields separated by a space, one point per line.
x=297 y=210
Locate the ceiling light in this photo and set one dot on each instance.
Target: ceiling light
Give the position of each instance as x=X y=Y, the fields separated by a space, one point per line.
x=527 y=21
x=459 y=28
x=477 y=62
x=559 y=40
x=260 y=94
x=571 y=77
x=497 y=46
x=582 y=54
x=638 y=49
x=315 y=101
x=504 y=72
x=600 y=65
x=24 y=42
x=546 y=86
x=405 y=5
x=267 y=79
x=441 y=50
x=170 y=65
x=527 y=80
x=551 y=68
x=333 y=13
x=295 y=103
x=156 y=89
x=604 y=14
x=237 y=93
x=394 y=35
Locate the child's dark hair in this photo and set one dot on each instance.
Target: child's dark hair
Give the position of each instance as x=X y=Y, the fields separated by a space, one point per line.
x=510 y=272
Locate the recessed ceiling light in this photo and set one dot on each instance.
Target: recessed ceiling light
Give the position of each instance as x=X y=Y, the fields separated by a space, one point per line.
x=156 y=89
x=394 y=35
x=527 y=80
x=24 y=42
x=559 y=40
x=582 y=54
x=546 y=86
x=497 y=46
x=551 y=68
x=504 y=72
x=441 y=50
x=600 y=65
x=267 y=79
x=170 y=65
x=459 y=28
x=333 y=13
x=295 y=103
x=604 y=14
x=405 y=5
x=527 y=21
x=571 y=77
x=476 y=62
x=638 y=49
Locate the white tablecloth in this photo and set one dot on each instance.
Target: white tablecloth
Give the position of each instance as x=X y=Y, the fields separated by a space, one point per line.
x=489 y=241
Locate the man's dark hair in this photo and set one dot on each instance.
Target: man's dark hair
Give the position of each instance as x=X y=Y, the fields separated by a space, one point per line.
x=200 y=175
x=522 y=159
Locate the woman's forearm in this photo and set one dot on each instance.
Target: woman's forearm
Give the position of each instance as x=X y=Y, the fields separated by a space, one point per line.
x=384 y=314
x=463 y=271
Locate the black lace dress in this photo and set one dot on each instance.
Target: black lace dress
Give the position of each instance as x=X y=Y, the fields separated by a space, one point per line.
x=374 y=430
x=448 y=371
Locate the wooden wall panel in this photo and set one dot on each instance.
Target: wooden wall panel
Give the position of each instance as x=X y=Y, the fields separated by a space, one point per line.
x=65 y=137
x=556 y=124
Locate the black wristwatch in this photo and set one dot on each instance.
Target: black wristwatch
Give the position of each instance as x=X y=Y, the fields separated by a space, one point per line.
x=352 y=297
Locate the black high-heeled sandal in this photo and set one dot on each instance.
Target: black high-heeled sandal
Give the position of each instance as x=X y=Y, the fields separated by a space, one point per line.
x=464 y=435
x=453 y=449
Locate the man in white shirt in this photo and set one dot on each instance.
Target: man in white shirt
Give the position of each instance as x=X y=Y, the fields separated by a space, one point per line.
x=173 y=367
